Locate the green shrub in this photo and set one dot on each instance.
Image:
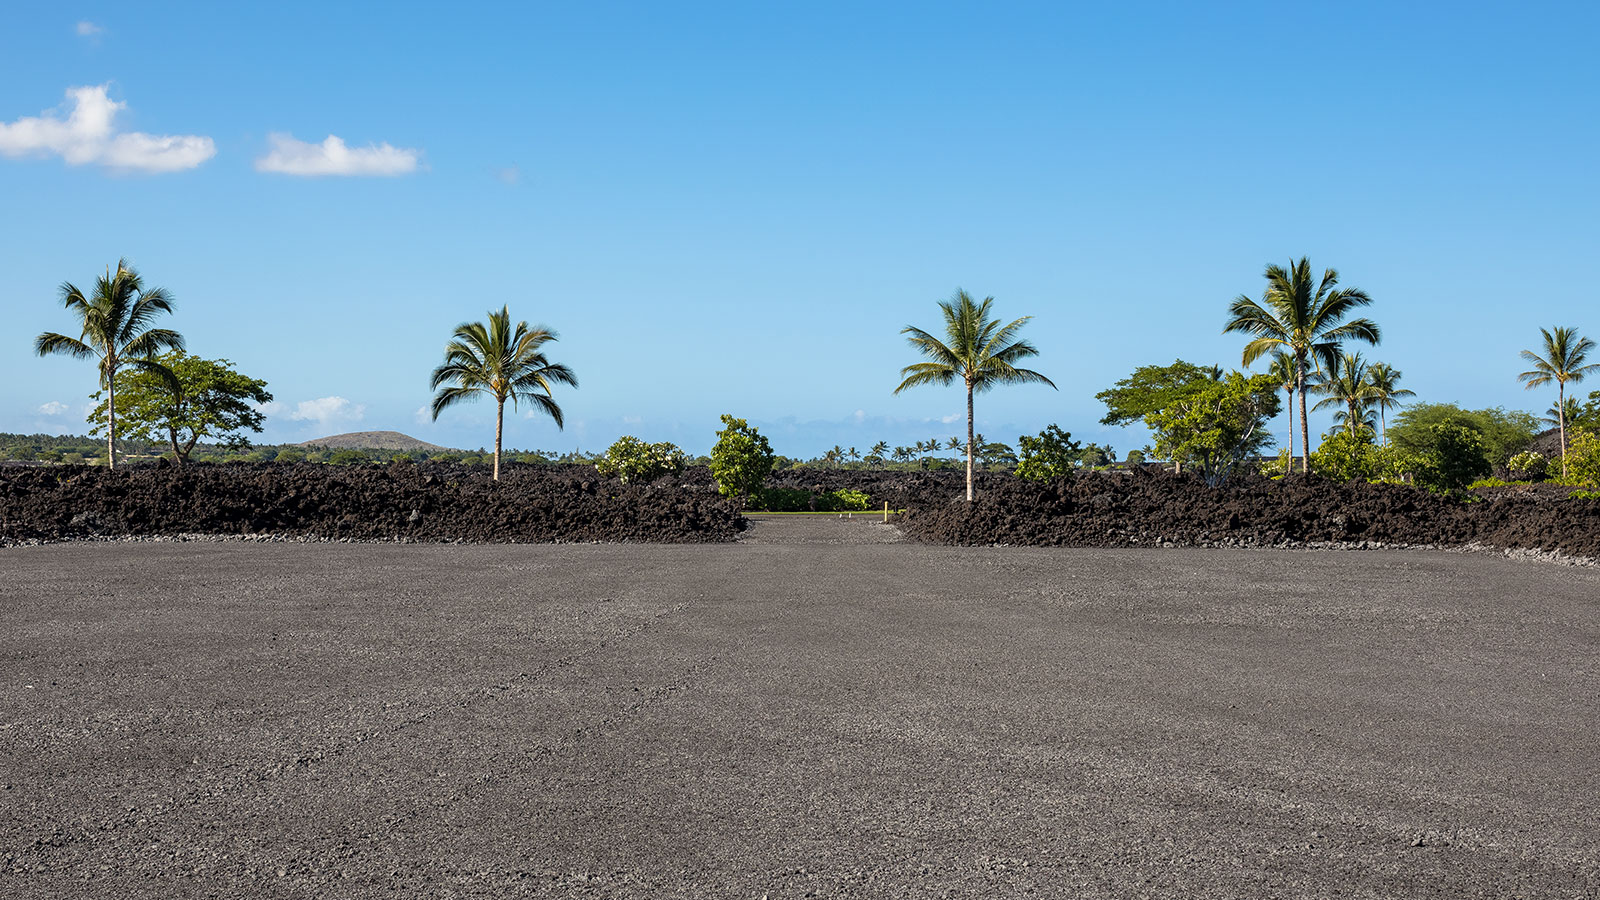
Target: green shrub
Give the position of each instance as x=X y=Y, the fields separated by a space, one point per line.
x=290 y=455
x=1527 y=466
x=631 y=459
x=347 y=457
x=785 y=500
x=1455 y=460
x=1584 y=495
x=1342 y=457
x=72 y=459
x=844 y=500
x=741 y=460
x=1052 y=454
x=1583 y=458
x=1492 y=482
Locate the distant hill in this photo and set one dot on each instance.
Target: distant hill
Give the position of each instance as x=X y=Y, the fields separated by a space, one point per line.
x=372 y=440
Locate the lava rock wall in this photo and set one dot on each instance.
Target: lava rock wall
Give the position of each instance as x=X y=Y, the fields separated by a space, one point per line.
x=428 y=502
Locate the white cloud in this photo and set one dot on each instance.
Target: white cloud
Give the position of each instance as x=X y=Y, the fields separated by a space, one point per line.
x=88 y=135
x=332 y=157
x=953 y=417
x=327 y=409
x=53 y=408
x=508 y=175
x=323 y=411
x=424 y=415
x=88 y=29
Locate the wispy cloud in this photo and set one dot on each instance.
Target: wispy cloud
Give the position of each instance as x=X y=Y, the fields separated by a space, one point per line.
x=508 y=175
x=289 y=156
x=88 y=29
x=423 y=416
x=88 y=135
x=53 y=408
x=323 y=410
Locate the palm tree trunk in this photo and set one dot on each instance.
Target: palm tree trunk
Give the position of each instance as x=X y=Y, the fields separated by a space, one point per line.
x=969 y=441
x=177 y=455
x=1289 y=470
x=1561 y=420
x=1305 y=424
x=1383 y=423
x=111 y=421
x=499 y=418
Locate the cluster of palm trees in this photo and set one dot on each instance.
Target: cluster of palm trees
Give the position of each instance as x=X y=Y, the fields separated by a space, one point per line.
x=1361 y=393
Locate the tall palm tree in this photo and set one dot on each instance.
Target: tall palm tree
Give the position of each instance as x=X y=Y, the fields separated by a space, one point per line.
x=116 y=329
x=1386 y=393
x=1283 y=372
x=1344 y=384
x=879 y=450
x=1304 y=316
x=1564 y=353
x=981 y=352
x=504 y=363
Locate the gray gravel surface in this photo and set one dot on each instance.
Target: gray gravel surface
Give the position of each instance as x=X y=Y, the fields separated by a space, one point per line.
x=815 y=711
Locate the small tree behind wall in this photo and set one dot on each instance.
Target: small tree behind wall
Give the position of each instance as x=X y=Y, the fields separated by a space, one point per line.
x=741 y=460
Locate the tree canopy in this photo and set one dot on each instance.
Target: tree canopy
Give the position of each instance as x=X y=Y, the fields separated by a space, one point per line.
x=1501 y=433
x=201 y=400
x=1220 y=425
x=1151 y=389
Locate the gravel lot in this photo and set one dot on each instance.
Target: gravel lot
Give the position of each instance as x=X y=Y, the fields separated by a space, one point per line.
x=818 y=710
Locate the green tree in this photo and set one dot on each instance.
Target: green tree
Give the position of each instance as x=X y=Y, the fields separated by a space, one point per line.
x=198 y=399
x=1387 y=394
x=1344 y=384
x=1050 y=454
x=741 y=460
x=879 y=450
x=1585 y=458
x=1501 y=433
x=1306 y=318
x=980 y=351
x=116 y=329
x=1151 y=389
x=1346 y=457
x=503 y=363
x=1218 y=427
x=1454 y=459
x=1565 y=352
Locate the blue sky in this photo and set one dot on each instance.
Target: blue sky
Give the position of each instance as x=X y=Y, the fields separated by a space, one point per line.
x=735 y=208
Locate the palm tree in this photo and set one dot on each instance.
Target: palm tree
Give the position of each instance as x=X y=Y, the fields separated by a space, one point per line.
x=1283 y=371
x=1345 y=384
x=1305 y=317
x=981 y=352
x=116 y=328
x=1570 y=408
x=1384 y=380
x=1563 y=361
x=879 y=450
x=504 y=363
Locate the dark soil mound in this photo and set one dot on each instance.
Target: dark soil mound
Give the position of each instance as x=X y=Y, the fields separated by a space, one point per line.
x=428 y=502
x=1142 y=508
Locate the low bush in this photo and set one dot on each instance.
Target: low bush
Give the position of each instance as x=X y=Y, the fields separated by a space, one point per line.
x=785 y=500
x=1527 y=466
x=630 y=459
x=1584 y=495
x=844 y=500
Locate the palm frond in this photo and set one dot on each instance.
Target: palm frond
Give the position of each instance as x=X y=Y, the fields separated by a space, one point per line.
x=50 y=343
x=450 y=396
